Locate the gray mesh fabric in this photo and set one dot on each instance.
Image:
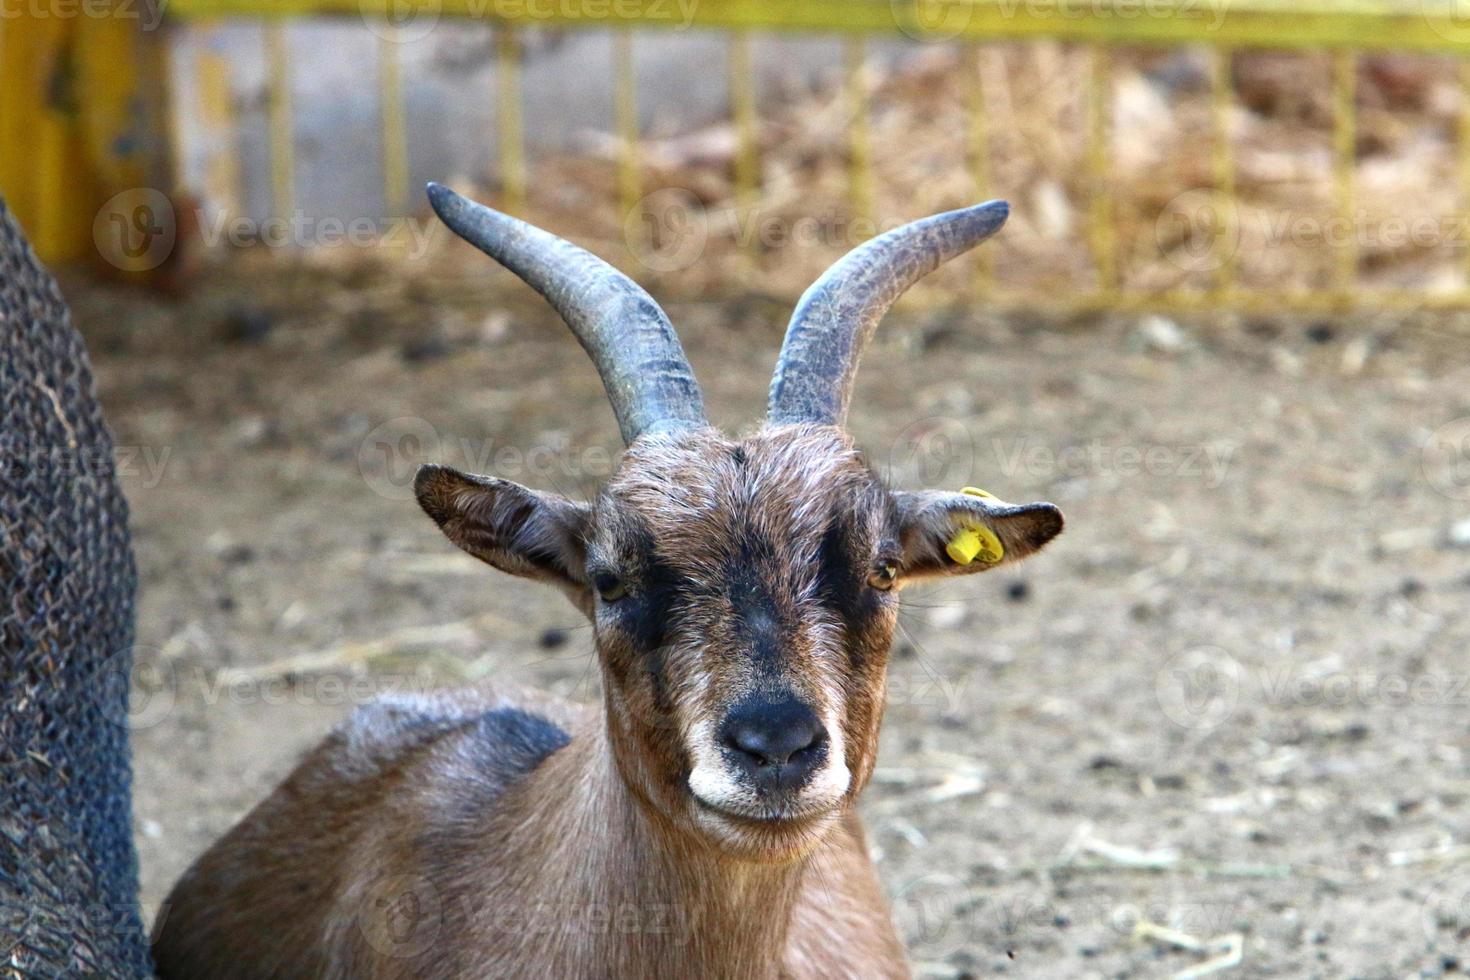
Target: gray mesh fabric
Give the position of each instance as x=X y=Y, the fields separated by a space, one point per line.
x=68 y=870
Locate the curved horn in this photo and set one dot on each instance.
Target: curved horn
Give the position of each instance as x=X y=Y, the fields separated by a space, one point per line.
x=631 y=340
x=837 y=315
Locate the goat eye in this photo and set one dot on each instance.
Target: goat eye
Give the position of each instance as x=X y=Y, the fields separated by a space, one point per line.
x=883 y=576
x=609 y=587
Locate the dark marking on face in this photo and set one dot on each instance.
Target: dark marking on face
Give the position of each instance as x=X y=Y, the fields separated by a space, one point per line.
x=840 y=582
x=643 y=616
x=760 y=630
x=845 y=560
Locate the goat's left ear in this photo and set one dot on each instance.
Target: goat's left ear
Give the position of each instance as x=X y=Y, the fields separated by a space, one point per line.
x=958 y=533
x=518 y=530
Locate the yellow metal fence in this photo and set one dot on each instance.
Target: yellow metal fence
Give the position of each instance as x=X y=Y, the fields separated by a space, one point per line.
x=1347 y=27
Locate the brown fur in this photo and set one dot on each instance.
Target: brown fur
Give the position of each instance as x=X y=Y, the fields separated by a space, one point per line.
x=365 y=864
x=452 y=836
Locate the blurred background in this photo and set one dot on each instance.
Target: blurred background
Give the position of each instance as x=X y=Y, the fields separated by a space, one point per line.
x=1220 y=726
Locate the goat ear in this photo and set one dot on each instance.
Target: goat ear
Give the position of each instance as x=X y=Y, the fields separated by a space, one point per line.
x=934 y=521
x=517 y=530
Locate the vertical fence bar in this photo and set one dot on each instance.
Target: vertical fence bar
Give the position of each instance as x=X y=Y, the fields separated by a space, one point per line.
x=390 y=108
x=1100 y=210
x=283 y=150
x=33 y=161
x=1344 y=147
x=16 y=99
x=860 y=148
x=747 y=151
x=979 y=159
x=626 y=98
x=512 y=133
x=217 y=113
x=1464 y=149
x=1222 y=93
x=158 y=74
x=54 y=158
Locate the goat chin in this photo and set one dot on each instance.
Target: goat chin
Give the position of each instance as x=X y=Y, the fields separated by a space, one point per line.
x=780 y=840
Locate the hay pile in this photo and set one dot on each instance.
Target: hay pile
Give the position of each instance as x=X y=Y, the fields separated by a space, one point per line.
x=1407 y=227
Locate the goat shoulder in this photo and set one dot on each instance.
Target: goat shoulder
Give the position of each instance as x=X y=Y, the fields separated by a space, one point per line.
x=331 y=868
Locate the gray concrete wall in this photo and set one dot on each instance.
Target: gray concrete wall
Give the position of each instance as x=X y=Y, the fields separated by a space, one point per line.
x=450 y=96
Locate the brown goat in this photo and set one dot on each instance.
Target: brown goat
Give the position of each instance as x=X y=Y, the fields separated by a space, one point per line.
x=743 y=595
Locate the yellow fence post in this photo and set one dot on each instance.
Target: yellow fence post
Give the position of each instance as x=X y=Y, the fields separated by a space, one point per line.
x=1344 y=165
x=512 y=136
x=82 y=118
x=217 y=114
x=747 y=149
x=979 y=153
x=1464 y=140
x=860 y=145
x=40 y=134
x=282 y=130
x=390 y=107
x=1222 y=92
x=1100 y=211
x=626 y=110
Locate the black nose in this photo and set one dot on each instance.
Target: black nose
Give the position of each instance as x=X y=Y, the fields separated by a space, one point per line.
x=777 y=743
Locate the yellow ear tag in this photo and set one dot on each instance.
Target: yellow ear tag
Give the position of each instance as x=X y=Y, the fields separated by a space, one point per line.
x=977 y=541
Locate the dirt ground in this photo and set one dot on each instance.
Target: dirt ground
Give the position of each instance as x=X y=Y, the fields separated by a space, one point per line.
x=1231 y=699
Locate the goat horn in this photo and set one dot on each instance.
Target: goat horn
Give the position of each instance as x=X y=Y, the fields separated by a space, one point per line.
x=632 y=342
x=837 y=315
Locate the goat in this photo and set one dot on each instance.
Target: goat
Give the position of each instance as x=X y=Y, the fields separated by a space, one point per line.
x=743 y=598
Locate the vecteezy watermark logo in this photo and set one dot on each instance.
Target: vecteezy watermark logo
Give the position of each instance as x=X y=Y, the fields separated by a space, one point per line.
x=150 y=14
x=947 y=19
x=1338 y=687
x=400 y=21
x=1208 y=463
x=935 y=452
x=921 y=686
x=1447 y=912
x=390 y=455
x=138 y=466
x=931 y=20
x=1199 y=688
x=416 y=18
x=1211 y=12
x=1450 y=19
x=1198 y=230
x=924 y=911
x=135 y=688
x=400 y=916
x=136 y=229
x=1446 y=459
x=299 y=230
x=667 y=230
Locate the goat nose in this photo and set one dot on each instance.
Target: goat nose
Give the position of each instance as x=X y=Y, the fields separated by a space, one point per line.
x=765 y=735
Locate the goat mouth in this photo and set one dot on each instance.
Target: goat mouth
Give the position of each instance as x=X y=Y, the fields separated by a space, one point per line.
x=795 y=815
